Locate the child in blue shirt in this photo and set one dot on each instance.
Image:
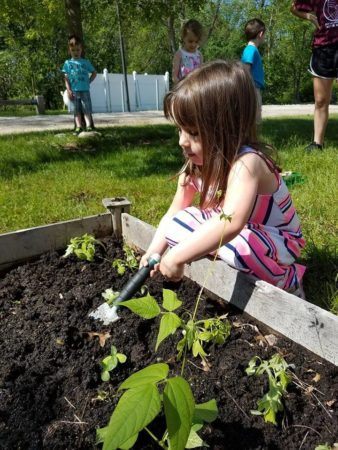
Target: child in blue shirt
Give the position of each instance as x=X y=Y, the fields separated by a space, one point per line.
x=255 y=33
x=79 y=73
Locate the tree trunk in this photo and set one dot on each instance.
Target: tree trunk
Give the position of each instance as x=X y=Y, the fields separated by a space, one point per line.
x=171 y=34
x=73 y=15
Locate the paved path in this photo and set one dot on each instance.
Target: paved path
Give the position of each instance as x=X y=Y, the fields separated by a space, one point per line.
x=11 y=125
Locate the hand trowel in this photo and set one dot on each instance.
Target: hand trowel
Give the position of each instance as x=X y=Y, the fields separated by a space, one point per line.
x=108 y=314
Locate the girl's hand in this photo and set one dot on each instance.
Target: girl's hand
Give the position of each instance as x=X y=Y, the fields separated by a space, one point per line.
x=313 y=19
x=144 y=260
x=170 y=269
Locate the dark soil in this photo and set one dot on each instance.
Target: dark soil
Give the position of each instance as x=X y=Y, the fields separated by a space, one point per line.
x=50 y=364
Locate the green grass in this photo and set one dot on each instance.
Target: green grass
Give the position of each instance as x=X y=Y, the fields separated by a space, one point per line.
x=41 y=181
x=26 y=111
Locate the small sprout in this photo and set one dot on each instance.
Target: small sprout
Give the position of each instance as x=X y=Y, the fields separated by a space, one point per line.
x=83 y=247
x=110 y=362
x=102 y=396
x=277 y=370
x=109 y=295
x=129 y=261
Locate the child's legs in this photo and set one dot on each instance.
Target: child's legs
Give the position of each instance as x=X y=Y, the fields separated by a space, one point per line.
x=249 y=251
x=322 y=89
x=77 y=109
x=87 y=107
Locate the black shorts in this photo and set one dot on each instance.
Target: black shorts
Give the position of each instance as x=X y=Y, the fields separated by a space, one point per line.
x=324 y=61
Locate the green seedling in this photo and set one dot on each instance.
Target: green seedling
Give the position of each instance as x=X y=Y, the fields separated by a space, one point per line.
x=109 y=295
x=148 y=392
x=110 y=362
x=102 y=396
x=129 y=261
x=277 y=370
x=195 y=333
x=83 y=247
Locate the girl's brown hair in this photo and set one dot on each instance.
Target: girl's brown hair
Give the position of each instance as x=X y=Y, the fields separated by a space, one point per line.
x=218 y=101
x=194 y=26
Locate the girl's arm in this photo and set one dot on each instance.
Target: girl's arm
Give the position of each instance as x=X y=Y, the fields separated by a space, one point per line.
x=239 y=200
x=310 y=16
x=176 y=67
x=183 y=197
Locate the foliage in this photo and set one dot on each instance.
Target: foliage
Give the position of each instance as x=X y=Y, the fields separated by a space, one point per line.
x=33 y=41
x=83 y=247
x=195 y=332
x=110 y=362
x=129 y=261
x=279 y=379
x=142 y=401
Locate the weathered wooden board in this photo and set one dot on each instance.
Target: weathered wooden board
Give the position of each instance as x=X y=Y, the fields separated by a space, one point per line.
x=24 y=244
x=304 y=323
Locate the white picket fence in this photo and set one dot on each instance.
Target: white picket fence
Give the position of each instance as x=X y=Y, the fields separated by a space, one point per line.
x=108 y=92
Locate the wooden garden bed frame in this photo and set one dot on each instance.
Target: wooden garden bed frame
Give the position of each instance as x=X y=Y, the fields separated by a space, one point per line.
x=306 y=324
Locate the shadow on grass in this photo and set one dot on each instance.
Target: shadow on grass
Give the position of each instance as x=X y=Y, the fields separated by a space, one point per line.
x=321 y=276
x=161 y=153
x=283 y=132
x=158 y=147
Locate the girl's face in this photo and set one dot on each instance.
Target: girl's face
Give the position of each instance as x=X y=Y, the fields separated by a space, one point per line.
x=191 y=145
x=190 y=42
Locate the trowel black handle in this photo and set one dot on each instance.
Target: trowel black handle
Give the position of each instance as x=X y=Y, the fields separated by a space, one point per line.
x=138 y=279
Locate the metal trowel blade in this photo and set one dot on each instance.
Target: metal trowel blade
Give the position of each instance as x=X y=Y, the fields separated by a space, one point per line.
x=105 y=313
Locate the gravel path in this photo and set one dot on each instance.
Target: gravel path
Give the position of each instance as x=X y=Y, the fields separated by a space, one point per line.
x=14 y=125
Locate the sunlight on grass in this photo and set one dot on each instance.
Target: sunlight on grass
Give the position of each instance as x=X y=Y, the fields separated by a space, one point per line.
x=46 y=177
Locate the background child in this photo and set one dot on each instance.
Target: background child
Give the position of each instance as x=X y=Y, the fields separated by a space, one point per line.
x=79 y=73
x=324 y=59
x=188 y=57
x=214 y=109
x=255 y=33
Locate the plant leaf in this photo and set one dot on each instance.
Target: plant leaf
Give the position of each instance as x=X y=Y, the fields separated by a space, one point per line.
x=105 y=376
x=135 y=410
x=206 y=412
x=194 y=441
x=145 y=307
x=129 y=443
x=179 y=406
x=170 y=300
x=121 y=357
x=168 y=325
x=148 y=375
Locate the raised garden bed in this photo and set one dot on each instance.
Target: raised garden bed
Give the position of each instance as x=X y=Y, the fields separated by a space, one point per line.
x=51 y=392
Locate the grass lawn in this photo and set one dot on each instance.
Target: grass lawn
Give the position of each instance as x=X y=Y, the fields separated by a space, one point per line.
x=26 y=111
x=44 y=179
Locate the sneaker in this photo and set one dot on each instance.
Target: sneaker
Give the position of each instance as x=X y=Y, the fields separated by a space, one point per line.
x=313 y=146
x=89 y=129
x=77 y=131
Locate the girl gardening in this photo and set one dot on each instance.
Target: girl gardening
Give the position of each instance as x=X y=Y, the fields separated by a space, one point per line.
x=214 y=108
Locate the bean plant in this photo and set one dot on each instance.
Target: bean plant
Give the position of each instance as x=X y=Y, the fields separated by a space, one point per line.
x=279 y=378
x=148 y=392
x=110 y=362
x=196 y=333
x=129 y=261
x=83 y=247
